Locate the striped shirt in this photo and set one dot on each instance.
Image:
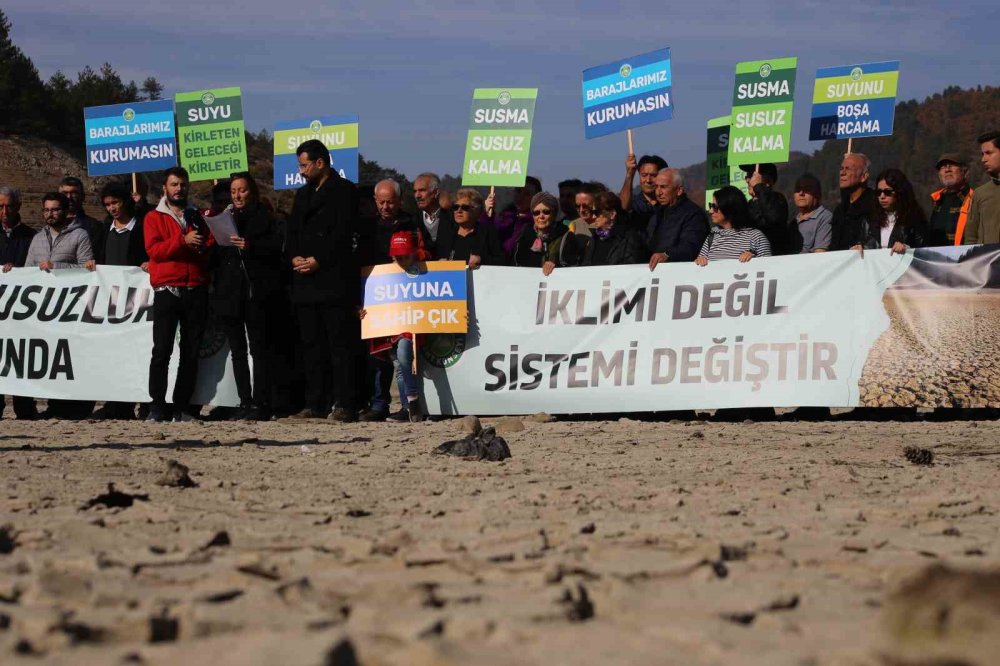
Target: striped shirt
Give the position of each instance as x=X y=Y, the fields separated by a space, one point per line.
x=731 y=243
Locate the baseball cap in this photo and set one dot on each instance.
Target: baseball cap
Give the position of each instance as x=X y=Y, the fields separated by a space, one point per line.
x=954 y=158
x=402 y=244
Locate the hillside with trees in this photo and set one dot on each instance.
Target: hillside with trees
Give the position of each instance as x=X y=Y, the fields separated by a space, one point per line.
x=42 y=135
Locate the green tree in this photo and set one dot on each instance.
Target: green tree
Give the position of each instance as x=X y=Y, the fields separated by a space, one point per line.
x=22 y=95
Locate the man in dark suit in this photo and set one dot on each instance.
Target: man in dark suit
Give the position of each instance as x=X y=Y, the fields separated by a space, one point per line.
x=14 y=243
x=427 y=192
x=326 y=281
x=679 y=227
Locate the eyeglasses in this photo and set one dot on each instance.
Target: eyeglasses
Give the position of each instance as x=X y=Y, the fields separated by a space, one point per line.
x=465 y=208
x=714 y=207
x=52 y=211
x=541 y=211
x=887 y=192
x=802 y=190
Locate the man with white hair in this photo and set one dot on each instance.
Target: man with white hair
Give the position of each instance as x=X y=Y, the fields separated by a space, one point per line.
x=14 y=243
x=950 y=207
x=427 y=192
x=858 y=204
x=391 y=219
x=679 y=227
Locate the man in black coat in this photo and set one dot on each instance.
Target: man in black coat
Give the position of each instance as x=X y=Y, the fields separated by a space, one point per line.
x=15 y=240
x=679 y=227
x=768 y=209
x=858 y=207
x=326 y=282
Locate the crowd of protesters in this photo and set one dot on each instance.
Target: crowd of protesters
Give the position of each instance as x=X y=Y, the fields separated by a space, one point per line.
x=287 y=293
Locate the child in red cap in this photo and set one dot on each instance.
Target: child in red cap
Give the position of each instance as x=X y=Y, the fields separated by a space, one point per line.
x=402 y=348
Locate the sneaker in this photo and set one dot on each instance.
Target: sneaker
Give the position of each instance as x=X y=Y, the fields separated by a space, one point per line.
x=416 y=413
x=307 y=413
x=254 y=414
x=157 y=414
x=343 y=415
x=372 y=416
x=183 y=417
x=401 y=415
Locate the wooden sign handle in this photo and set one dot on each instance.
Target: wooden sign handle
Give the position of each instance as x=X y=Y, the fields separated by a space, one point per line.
x=135 y=185
x=631 y=149
x=850 y=144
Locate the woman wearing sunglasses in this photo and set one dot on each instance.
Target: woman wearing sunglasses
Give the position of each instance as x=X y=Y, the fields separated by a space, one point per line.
x=538 y=245
x=899 y=222
x=465 y=239
x=734 y=237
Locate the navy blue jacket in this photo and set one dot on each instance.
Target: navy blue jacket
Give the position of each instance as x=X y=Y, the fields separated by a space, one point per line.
x=679 y=230
x=14 y=250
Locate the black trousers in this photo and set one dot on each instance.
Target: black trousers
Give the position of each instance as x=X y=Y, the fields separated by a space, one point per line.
x=330 y=335
x=189 y=312
x=255 y=321
x=24 y=407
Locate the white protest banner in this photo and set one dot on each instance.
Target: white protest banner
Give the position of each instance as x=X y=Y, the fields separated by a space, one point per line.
x=784 y=331
x=87 y=335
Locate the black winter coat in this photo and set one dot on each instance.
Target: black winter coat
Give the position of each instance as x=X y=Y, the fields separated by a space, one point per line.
x=625 y=247
x=14 y=250
x=523 y=256
x=679 y=230
x=322 y=225
x=251 y=274
x=851 y=221
x=769 y=212
x=483 y=242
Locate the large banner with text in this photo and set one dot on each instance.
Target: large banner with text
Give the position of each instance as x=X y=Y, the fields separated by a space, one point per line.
x=837 y=329
x=87 y=335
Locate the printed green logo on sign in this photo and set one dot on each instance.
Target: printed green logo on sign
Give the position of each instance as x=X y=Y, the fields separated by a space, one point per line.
x=499 y=140
x=128 y=115
x=625 y=71
x=765 y=70
x=208 y=99
x=856 y=74
x=315 y=126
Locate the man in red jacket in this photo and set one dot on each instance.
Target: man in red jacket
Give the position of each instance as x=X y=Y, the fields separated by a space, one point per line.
x=176 y=241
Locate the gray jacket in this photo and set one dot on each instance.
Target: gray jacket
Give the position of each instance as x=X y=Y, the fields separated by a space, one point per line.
x=70 y=249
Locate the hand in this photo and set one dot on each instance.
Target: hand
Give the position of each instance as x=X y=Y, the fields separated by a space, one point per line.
x=413 y=367
x=657 y=258
x=7 y=267
x=630 y=164
x=361 y=313
x=702 y=260
x=298 y=261
x=238 y=242
x=193 y=239
x=755 y=179
x=475 y=261
x=46 y=266
x=745 y=256
x=144 y=266
x=136 y=197
x=860 y=248
x=899 y=248
x=90 y=265
x=308 y=266
x=548 y=267
x=490 y=204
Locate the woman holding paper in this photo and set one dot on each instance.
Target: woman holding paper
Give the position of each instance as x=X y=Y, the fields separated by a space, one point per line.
x=246 y=288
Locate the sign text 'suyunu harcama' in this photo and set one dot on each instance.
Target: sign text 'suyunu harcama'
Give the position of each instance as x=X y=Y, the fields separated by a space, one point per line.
x=338 y=133
x=854 y=101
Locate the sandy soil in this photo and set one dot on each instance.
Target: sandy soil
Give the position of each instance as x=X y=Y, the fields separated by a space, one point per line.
x=598 y=542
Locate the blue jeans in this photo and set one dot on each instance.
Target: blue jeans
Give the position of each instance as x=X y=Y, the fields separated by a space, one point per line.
x=404 y=356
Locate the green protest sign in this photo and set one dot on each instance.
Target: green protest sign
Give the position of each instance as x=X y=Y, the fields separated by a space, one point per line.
x=718 y=171
x=496 y=151
x=211 y=133
x=762 y=111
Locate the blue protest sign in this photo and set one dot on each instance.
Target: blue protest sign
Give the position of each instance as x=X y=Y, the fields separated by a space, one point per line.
x=126 y=138
x=338 y=133
x=854 y=101
x=627 y=93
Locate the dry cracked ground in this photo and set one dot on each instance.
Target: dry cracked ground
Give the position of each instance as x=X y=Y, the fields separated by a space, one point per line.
x=598 y=542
